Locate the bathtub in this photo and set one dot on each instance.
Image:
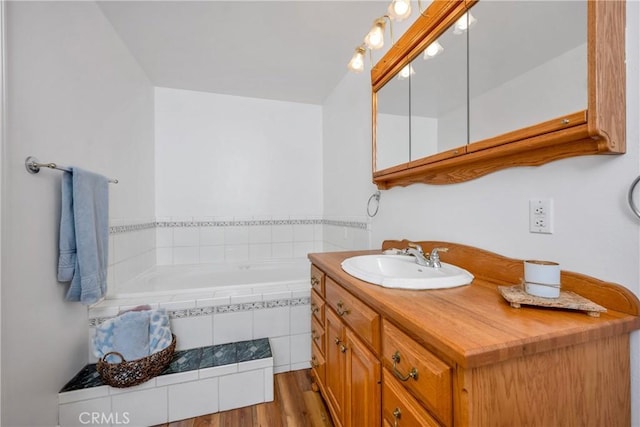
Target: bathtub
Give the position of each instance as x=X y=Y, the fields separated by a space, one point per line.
x=227 y=279
x=211 y=304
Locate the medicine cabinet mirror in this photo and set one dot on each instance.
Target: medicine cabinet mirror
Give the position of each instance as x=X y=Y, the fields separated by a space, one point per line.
x=524 y=83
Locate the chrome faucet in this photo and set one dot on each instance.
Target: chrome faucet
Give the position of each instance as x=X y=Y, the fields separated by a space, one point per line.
x=432 y=261
x=418 y=253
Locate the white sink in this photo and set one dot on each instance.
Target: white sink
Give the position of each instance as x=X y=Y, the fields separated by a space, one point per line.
x=402 y=272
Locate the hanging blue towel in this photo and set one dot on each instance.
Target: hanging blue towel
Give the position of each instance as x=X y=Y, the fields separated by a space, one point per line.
x=84 y=235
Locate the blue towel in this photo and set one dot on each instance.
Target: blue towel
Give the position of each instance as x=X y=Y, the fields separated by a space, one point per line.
x=131 y=335
x=128 y=334
x=159 y=330
x=84 y=235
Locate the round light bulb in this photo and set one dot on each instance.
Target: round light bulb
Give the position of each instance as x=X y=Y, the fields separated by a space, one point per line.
x=399 y=10
x=375 y=38
x=433 y=49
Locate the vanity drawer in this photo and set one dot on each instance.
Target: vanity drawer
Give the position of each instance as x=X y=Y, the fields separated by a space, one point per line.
x=317 y=307
x=422 y=373
x=318 y=365
x=399 y=408
x=317 y=280
x=317 y=334
x=358 y=316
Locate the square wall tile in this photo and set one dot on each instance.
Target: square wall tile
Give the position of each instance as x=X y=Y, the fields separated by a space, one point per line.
x=282 y=233
x=282 y=250
x=211 y=236
x=236 y=235
x=300 y=348
x=232 y=327
x=260 y=234
x=137 y=405
x=79 y=413
x=236 y=252
x=192 y=332
x=271 y=322
x=211 y=254
x=259 y=251
x=186 y=236
x=300 y=319
x=164 y=237
x=241 y=389
x=192 y=399
x=301 y=249
x=303 y=232
x=281 y=349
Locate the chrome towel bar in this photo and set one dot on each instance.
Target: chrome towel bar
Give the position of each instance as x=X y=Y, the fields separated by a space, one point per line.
x=33 y=166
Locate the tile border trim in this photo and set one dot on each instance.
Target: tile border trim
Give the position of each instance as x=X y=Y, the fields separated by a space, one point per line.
x=220 y=309
x=119 y=229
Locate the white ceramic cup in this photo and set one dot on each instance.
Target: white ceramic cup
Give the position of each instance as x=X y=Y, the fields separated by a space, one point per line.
x=542 y=278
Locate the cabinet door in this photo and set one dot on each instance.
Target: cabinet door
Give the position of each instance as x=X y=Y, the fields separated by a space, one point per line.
x=362 y=385
x=335 y=366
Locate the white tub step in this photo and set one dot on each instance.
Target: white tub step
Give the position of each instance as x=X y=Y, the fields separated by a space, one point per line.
x=199 y=381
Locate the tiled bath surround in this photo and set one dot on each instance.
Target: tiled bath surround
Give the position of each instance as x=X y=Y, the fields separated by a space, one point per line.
x=200 y=320
x=136 y=246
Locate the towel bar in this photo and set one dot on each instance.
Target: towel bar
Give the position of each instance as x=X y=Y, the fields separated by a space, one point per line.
x=33 y=166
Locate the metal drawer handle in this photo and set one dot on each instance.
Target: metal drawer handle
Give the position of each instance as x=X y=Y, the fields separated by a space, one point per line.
x=413 y=373
x=314 y=362
x=314 y=281
x=314 y=308
x=396 y=416
x=314 y=335
x=337 y=340
x=341 y=310
x=343 y=348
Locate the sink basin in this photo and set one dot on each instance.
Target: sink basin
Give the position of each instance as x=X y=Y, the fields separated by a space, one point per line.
x=402 y=272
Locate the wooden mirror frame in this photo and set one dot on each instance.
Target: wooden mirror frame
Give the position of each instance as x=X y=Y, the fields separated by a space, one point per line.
x=600 y=129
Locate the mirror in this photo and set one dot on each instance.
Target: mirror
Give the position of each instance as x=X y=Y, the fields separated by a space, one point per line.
x=439 y=96
x=392 y=141
x=527 y=64
x=542 y=81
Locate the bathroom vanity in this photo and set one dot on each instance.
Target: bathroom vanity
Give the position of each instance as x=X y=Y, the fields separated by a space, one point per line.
x=463 y=356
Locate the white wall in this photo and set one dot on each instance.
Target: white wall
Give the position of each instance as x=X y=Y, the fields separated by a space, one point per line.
x=595 y=231
x=75 y=96
x=236 y=178
x=227 y=156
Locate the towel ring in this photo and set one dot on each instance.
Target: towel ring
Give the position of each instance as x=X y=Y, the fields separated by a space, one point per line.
x=632 y=204
x=375 y=196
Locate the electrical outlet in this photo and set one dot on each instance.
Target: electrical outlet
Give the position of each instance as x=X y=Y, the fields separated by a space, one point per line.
x=541 y=216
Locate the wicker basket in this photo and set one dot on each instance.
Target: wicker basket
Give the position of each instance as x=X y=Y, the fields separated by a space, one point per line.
x=130 y=373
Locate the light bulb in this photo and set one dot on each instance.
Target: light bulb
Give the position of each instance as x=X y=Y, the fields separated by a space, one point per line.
x=375 y=37
x=399 y=10
x=406 y=71
x=465 y=22
x=357 y=61
x=432 y=50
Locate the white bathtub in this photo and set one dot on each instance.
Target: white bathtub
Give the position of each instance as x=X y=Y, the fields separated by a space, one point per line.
x=222 y=279
x=213 y=304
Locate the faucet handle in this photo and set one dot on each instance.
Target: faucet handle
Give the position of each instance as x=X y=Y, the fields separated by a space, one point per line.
x=415 y=246
x=434 y=252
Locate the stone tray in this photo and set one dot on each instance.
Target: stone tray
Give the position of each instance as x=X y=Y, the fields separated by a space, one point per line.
x=517 y=296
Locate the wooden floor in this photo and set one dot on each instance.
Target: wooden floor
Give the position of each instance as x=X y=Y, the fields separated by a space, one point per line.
x=294 y=404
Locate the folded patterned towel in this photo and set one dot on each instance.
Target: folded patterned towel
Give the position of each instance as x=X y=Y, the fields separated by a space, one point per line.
x=159 y=330
x=134 y=334
x=131 y=335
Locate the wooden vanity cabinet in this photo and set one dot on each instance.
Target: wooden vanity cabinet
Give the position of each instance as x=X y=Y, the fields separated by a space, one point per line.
x=351 y=385
x=463 y=357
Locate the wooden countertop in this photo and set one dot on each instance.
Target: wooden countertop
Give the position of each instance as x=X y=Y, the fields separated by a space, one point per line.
x=474 y=325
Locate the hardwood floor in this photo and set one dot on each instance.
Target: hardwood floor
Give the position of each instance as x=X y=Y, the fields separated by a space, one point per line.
x=294 y=404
